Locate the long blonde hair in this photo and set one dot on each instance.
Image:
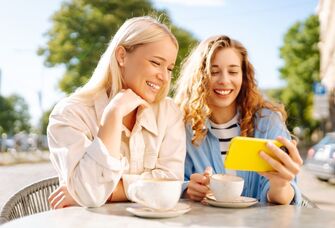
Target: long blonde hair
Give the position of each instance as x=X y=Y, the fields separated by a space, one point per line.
x=192 y=88
x=134 y=32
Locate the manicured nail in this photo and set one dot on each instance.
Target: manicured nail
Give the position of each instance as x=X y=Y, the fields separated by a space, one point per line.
x=270 y=145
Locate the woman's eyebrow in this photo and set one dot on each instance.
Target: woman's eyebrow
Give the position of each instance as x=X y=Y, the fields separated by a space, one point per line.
x=233 y=65
x=159 y=57
x=162 y=59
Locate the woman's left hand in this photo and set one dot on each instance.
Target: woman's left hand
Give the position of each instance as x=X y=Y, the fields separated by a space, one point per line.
x=285 y=168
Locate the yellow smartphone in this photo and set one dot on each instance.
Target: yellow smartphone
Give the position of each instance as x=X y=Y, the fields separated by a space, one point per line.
x=243 y=154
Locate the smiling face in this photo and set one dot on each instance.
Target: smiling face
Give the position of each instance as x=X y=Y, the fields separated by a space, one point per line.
x=225 y=81
x=147 y=69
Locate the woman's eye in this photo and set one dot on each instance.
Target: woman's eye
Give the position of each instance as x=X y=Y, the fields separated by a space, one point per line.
x=170 y=69
x=214 y=72
x=155 y=63
x=233 y=72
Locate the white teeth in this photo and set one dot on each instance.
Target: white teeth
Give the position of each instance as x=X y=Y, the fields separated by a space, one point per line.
x=157 y=87
x=223 y=92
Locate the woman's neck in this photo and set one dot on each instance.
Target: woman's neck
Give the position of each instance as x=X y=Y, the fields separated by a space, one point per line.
x=221 y=116
x=130 y=120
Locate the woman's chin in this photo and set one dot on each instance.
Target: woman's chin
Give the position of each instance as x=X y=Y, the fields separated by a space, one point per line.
x=149 y=99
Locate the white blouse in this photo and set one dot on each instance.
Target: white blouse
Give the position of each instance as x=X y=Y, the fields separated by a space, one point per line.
x=155 y=147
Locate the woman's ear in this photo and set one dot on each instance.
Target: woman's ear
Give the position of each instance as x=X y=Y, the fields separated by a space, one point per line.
x=120 y=55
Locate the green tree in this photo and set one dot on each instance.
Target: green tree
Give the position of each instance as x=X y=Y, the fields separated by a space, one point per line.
x=44 y=121
x=14 y=115
x=301 y=68
x=82 y=29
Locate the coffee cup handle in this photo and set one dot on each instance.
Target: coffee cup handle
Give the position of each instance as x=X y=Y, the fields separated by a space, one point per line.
x=133 y=190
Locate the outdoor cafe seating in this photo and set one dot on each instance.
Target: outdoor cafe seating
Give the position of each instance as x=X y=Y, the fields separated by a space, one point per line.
x=33 y=199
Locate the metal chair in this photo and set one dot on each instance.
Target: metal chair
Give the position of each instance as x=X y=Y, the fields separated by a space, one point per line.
x=31 y=199
x=307 y=202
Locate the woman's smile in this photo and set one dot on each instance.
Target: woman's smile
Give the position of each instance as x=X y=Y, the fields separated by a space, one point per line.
x=153 y=86
x=223 y=92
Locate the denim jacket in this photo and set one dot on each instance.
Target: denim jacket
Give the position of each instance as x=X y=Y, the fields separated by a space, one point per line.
x=268 y=125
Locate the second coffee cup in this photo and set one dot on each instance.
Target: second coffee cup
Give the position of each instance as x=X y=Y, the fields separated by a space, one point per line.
x=226 y=187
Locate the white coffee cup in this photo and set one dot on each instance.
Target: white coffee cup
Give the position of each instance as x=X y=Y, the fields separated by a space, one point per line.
x=226 y=187
x=158 y=194
x=128 y=179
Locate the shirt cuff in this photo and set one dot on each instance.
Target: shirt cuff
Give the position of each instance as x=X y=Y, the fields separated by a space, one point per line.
x=264 y=193
x=297 y=194
x=297 y=199
x=184 y=187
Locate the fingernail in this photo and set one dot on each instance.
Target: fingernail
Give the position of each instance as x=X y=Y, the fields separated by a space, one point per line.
x=270 y=145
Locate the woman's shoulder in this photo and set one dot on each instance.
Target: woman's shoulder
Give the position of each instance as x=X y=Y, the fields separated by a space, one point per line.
x=270 y=124
x=71 y=104
x=266 y=114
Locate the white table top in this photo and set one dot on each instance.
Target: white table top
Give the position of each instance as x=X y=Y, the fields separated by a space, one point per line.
x=115 y=215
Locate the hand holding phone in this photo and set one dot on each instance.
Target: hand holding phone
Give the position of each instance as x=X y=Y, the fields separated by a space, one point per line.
x=243 y=154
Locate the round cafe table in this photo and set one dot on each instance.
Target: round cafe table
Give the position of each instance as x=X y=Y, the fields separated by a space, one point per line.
x=116 y=215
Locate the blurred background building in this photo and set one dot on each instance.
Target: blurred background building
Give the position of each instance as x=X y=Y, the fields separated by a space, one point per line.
x=326 y=12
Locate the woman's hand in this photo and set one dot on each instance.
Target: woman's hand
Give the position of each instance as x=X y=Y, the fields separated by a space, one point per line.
x=198 y=185
x=122 y=104
x=285 y=170
x=61 y=198
x=113 y=116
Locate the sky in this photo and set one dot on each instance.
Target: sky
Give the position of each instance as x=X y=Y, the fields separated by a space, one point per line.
x=259 y=24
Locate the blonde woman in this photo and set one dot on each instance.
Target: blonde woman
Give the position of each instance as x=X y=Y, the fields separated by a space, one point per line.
x=121 y=121
x=218 y=95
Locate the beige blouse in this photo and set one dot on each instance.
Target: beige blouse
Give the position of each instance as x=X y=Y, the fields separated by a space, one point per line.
x=154 y=148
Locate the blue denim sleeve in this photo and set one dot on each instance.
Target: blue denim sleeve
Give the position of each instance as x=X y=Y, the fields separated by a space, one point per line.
x=188 y=169
x=270 y=127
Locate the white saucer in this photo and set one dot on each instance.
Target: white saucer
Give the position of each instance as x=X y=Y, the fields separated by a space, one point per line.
x=240 y=202
x=146 y=212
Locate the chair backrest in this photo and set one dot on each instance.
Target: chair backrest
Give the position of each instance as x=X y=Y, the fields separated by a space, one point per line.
x=307 y=202
x=31 y=199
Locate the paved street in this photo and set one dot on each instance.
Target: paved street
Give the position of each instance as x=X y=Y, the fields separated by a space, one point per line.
x=321 y=193
x=15 y=177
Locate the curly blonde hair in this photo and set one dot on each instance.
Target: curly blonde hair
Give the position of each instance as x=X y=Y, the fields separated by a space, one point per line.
x=192 y=88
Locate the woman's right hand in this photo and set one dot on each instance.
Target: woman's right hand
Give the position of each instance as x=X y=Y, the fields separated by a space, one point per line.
x=113 y=116
x=198 y=185
x=122 y=104
x=61 y=198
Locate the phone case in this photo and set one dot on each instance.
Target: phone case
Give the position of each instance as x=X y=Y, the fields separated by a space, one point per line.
x=243 y=154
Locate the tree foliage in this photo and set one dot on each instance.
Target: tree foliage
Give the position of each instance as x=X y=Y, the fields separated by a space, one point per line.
x=82 y=29
x=301 y=68
x=14 y=115
x=45 y=121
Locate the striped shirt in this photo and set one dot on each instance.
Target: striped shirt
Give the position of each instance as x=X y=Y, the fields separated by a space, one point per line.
x=225 y=132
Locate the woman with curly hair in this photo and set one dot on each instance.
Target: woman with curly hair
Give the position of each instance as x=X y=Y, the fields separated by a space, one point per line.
x=218 y=95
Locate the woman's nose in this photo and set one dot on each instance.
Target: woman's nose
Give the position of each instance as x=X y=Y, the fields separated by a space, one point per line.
x=223 y=78
x=164 y=75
